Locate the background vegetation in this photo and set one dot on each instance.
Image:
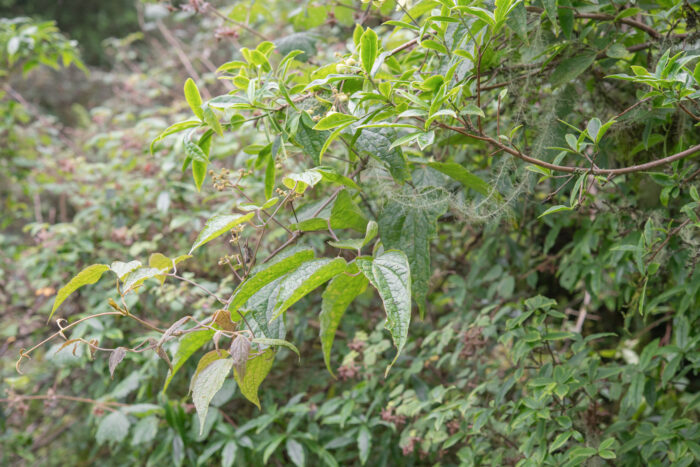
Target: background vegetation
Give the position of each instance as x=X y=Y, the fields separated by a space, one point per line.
x=533 y=164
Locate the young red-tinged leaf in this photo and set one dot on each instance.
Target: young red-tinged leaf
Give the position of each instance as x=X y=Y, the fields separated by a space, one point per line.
x=219 y=225
x=89 y=275
x=256 y=370
x=341 y=291
x=193 y=98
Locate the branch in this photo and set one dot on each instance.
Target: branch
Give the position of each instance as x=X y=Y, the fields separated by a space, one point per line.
x=605 y=17
x=571 y=169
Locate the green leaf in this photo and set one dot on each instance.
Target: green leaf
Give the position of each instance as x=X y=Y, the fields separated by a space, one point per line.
x=334 y=120
x=295 y=451
x=256 y=370
x=560 y=440
x=206 y=383
x=277 y=343
x=593 y=128
x=554 y=209
x=113 y=428
x=369 y=45
x=310 y=140
x=304 y=279
x=341 y=291
x=228 y=454
x=187 y=346
x=160 y=261
x=89 y=275
x=580 y=451
x=193 y=98
x=364 y=443
x=199 y=173
x=121 y=269
x=218 y=225
x=462 y=175
x=301 y=181
x=139 y=276
x=358 y=243
x=411 y=229
x=264 y=276
x=145 y=430
x=331 y=175
x=472 y=109
x=194 y=152
x=570 y=68
x=213 y=121
x=390 y=274
x=172 y=129
x=376 y=142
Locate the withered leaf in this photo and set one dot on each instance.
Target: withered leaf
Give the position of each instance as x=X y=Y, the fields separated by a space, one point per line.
x=115 y=358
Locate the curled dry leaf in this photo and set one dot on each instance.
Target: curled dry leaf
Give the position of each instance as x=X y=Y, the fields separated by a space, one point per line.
x=240 y=349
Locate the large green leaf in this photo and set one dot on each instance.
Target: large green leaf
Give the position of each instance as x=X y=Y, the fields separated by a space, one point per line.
x=89 y=275
x=208 y=380
x=462 y=175
x=304 y=279
x=376 y=142
x=411 y=229
x=188 y=345
x=390 y=274
x=256 y=370
x=219 y=225
x=264 y=276
x=341 y=291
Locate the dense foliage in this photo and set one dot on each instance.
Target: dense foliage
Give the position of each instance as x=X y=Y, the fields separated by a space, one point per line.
x=441 y=232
